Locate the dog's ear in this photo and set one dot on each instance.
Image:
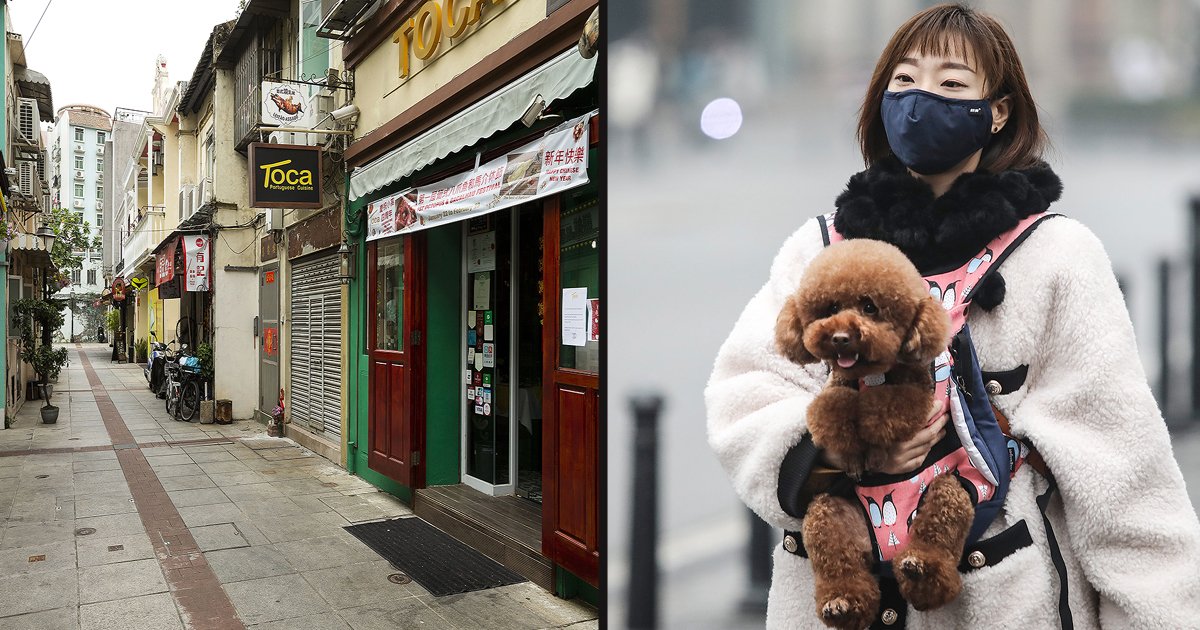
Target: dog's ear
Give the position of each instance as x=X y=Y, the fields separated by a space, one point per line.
x=789 y=333
x=929 y=335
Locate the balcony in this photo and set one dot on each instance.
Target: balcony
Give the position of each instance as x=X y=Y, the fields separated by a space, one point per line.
x=142 y=234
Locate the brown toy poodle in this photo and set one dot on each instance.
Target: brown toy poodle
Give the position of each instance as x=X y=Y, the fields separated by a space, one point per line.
x=864 y=309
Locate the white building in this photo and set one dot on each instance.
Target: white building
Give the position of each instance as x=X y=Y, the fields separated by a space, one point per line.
x=77 y=183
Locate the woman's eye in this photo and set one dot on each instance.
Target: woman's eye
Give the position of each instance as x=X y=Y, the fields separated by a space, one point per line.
x=953 y=84
x=902 y=78
x=869 y=307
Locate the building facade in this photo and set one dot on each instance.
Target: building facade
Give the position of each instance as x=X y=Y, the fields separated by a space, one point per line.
x=26 y=103
x=78 y=158
x=472 y=362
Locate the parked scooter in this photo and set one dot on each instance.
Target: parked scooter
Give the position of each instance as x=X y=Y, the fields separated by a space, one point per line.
x=154 y=370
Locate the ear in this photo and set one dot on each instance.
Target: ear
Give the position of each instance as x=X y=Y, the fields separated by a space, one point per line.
x=789 y=333
x=929 y=335
x=1001 y=108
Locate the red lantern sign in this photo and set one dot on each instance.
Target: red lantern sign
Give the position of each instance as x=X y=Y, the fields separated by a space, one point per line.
x=118 y=290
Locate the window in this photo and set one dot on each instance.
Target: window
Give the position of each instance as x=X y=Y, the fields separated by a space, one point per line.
x=210 y=155
x=74 y=276
x=100 y=164
x=78 y=135
x=100 y=137
x=99 y=220
x=91 y=276
x=99 y=191
x=78 y=190
x=79 y=162
x=389 y=295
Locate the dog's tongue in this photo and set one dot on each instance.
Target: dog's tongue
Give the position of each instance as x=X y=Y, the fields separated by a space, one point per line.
x=847 y=362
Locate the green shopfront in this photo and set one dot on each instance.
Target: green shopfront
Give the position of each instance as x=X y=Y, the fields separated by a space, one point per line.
x=473 y=351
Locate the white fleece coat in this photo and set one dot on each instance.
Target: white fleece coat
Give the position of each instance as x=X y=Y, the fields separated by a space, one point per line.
x=1127 y=530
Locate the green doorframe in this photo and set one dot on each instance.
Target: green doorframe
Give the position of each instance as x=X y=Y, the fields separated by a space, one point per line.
x=4 y=250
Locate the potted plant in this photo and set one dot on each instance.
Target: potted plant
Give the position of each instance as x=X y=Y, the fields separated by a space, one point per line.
x=139 y=350
x=48 y=362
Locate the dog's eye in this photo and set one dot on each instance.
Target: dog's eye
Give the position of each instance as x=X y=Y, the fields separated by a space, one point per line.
x=869 y=307
x=832 y=310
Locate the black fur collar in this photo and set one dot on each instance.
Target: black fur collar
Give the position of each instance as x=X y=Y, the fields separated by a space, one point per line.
x=886 y=203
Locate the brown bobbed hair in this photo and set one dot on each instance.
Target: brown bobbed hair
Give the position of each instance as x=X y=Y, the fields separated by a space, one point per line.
x=949 y=29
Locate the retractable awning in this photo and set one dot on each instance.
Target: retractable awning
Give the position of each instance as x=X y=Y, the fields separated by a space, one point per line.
x=554 y=80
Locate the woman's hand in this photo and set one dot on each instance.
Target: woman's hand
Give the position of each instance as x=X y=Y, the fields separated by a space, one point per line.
x=905 y=456
x=909 y=455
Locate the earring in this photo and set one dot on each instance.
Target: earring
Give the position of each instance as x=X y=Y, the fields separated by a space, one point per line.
x=995 y=129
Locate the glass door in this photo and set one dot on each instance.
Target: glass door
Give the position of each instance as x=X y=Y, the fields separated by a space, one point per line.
x=487 y=353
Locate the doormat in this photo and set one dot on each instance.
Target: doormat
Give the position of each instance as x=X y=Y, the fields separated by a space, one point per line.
x=438 y=562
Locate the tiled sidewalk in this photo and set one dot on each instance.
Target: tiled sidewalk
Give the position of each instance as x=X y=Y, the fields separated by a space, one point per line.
x=259 y=516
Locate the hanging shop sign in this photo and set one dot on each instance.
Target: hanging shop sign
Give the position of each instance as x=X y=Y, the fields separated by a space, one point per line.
x=164 y=264
x=556 y=162
x=284 y=176
x=195 y=248
x=118 y=290
x=139 y=283
x=435 y=22
x=288 y=104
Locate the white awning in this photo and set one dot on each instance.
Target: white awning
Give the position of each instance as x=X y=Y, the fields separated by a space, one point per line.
x=555 y=79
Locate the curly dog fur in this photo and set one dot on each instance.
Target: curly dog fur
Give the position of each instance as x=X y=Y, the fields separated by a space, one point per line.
x=863 y=308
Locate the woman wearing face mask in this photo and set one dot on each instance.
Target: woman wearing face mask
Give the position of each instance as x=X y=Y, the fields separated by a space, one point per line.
x=1100 y=535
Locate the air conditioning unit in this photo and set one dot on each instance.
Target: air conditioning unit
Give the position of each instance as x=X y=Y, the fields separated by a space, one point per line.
x=99 y=204
x=79 y=147
x=292 y=137
x=78 y=174
x=27 y=171
x=99 y=176
x=78 y=203
x=187 y=196
x=204 y=193
x=273 y=218
x=27 y=119
x=100 y=149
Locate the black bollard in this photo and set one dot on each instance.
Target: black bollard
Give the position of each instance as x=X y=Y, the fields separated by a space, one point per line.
x=643 y=548
x=758 y=556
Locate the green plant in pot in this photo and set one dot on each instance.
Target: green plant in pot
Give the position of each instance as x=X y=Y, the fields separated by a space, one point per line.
x=139 y=350
x=47 y=362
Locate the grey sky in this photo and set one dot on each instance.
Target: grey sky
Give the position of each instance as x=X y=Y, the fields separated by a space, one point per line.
x=102 y=53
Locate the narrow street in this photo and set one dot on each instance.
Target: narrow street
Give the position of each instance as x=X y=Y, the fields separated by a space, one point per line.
x=118 y=516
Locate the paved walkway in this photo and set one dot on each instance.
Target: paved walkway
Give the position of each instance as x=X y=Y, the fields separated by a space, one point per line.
x=120 y=517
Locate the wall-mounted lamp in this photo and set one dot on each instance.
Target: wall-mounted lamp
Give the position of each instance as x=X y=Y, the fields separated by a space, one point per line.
x=345 y=263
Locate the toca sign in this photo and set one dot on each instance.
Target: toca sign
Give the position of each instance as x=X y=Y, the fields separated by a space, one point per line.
x=436 y=20
x=284 y=176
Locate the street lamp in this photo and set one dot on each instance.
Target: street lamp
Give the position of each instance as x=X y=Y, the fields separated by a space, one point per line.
x=47 y=235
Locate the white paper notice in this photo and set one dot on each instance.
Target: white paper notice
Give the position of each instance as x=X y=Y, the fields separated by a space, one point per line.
x=483 y=287
x=574 y=316
x=488 y=332
x=479 y=363
x=470 y=355
x=481 y=252
x=468 y=377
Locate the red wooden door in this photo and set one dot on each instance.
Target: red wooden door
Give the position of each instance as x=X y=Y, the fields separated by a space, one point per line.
x=395 y=429
x=571 y=391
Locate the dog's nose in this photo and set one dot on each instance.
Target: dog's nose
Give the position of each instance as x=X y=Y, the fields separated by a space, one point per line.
x=840 y=339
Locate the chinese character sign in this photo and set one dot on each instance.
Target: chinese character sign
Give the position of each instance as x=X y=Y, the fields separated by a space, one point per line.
x=554 y=163
x=196 y=249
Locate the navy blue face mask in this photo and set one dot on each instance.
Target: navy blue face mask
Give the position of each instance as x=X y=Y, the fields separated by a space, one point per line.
x=930 y=133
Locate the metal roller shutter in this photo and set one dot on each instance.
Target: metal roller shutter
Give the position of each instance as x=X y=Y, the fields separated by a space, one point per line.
x=316 y=346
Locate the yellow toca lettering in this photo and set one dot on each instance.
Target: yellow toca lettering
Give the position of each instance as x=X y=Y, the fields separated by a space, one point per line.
x=271 y=171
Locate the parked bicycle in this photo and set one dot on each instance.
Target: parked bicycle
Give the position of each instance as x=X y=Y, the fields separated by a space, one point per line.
x=182 y=384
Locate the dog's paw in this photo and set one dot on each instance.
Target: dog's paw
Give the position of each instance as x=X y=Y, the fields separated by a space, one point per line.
x=847 y=613
x=927 y=582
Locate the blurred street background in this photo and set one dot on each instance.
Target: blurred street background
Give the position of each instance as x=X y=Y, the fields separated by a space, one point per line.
x=694 y=221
